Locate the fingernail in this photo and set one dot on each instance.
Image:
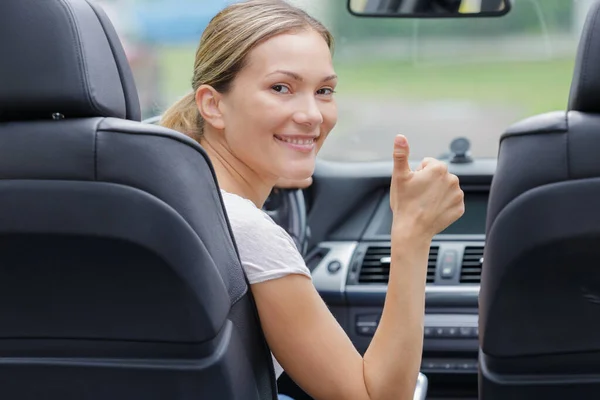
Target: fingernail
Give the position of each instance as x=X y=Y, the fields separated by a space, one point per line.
x=400 y=141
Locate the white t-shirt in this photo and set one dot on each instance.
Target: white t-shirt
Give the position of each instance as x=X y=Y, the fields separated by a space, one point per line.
x=266 y=250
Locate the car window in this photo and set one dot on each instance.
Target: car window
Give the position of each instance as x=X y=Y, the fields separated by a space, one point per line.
x=431 y=79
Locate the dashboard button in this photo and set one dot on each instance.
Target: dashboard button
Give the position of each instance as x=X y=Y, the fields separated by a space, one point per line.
x=334 y=266
x=366 y=330
x=366 y=325
x=430 y=365
x=465 y=332
x=449 y=264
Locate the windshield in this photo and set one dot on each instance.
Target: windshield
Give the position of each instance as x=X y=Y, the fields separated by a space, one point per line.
x=432 y=80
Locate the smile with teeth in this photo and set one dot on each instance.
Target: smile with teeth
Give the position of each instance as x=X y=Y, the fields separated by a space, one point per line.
x=298 y=143
x=305 y=142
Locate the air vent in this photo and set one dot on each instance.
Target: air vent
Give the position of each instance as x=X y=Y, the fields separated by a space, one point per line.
x=472 y=262
x=376 y=265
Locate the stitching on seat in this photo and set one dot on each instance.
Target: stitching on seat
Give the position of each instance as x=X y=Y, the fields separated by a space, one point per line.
x=112 y=49
x=79 y=51
x=567 y=137
x=96 y=148
x=584 y=58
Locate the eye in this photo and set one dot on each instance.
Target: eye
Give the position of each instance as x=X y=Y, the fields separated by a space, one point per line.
x=325 y=91
x=281 y=89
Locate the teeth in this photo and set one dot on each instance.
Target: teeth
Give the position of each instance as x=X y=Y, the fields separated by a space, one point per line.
x=297 y=141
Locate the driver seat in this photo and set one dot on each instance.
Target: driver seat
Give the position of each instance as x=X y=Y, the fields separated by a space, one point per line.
x=539 y=303
x=119 y=276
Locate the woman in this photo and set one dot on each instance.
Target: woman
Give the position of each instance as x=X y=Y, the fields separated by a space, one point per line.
x=261 y=106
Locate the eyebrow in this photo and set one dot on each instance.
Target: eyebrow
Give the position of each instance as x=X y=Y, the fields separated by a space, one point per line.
x=298 y=77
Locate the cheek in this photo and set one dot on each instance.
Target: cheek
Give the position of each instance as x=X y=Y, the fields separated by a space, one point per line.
x=238 y=111
x=330 y=116
x=253 y=121
x=270 y=106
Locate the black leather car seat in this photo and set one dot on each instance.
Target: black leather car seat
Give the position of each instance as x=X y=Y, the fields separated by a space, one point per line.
x=540 y=291
x=119 y=277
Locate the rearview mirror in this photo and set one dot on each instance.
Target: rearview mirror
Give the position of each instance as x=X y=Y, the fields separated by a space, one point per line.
x=428 y=8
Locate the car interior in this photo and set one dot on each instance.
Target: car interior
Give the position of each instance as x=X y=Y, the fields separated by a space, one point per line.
x=120 y=276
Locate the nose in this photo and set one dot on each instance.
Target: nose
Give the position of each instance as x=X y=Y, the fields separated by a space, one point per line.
x=309 y=113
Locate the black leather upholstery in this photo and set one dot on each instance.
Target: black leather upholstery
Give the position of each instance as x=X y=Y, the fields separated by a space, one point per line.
x=119 y=277
x=540 y=288
x=69 y=61
x=585 y=89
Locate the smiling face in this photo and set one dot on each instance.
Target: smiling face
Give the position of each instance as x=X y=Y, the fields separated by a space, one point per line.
x=280 y=107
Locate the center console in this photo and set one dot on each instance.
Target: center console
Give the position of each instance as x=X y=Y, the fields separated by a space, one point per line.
x=352 y=277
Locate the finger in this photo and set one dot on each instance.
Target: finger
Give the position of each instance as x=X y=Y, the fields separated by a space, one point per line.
x=426 y=161
x=401 y=154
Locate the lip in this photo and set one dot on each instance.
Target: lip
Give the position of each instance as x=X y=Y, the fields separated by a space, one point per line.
x=303 y=148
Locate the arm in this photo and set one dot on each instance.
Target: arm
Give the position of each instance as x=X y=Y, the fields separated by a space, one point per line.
x=307 y=340
x=318 y=355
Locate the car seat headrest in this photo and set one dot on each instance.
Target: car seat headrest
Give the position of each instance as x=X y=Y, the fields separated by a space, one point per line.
x=585 y=86
x=62 y=59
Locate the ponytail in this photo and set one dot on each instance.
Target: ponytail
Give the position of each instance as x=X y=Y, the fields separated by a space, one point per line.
x=183 y=116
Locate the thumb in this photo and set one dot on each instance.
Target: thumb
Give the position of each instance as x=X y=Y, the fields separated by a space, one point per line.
x=401 y=153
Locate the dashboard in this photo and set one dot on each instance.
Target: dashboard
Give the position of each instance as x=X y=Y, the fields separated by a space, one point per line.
x=471 y=223
x=350 y=263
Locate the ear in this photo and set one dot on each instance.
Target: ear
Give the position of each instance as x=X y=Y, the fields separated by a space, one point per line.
x=207 y=101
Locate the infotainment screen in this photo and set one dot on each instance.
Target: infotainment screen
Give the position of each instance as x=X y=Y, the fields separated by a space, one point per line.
x=473 y=220
x=471 y=223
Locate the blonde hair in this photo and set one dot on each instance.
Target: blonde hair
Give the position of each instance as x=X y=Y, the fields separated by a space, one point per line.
x=224 y=48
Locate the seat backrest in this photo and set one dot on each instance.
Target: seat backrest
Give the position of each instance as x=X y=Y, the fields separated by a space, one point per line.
x=119 y=277
x=540 y=287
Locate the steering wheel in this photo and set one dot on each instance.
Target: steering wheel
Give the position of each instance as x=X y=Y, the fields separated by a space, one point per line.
x=287 y=208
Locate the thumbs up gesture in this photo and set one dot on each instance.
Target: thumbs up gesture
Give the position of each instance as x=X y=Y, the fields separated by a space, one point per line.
x=424 y=201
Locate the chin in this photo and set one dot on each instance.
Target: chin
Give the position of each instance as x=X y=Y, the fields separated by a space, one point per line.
x=299 y=172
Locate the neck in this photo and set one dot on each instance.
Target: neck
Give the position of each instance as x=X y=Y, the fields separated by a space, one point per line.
x=234 y=176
